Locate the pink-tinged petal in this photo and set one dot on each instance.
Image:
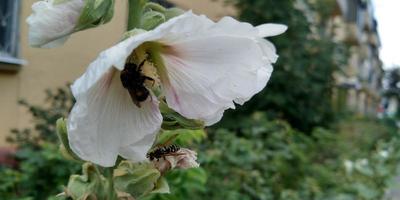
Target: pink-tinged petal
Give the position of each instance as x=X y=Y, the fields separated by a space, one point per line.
x=104 y=121
x=268 y=30
x=207 y=74
x=51 y=24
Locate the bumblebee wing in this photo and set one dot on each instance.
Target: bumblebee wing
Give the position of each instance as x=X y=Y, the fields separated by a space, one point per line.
x=168 y=142
x=174 y=154
x=132 y=93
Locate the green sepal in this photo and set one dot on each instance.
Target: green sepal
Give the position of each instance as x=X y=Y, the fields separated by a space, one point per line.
x=161 y=187
x=173 y=12
x=173 y=120
x=90 y=185
x=151 y=20
x=167 y=12
x=138 y=179
x=95 y=13
x=132 y=33
x=180 y=136
x=62 y=134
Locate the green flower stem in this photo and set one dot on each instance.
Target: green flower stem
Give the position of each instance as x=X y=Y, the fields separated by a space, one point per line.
x=136 y=8
x=109 y=173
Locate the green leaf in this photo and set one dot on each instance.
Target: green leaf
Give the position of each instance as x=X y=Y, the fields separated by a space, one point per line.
x=180 y=136
x=161 y=187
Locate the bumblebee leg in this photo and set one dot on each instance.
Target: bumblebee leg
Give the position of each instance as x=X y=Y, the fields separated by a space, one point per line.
x=141 y=65
x=150 y=79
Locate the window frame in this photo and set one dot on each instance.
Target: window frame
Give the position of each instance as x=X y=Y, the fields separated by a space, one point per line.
x=13 y=56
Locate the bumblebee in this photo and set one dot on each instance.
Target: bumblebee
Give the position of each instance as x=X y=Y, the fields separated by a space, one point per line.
x=133 y=80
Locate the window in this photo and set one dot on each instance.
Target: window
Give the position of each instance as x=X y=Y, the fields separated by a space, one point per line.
x=9 y=31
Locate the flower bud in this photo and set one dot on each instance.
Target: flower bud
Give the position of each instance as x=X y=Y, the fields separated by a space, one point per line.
x=95 y=13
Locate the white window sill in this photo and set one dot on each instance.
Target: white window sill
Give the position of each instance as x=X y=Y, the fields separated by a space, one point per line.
x=11 y=63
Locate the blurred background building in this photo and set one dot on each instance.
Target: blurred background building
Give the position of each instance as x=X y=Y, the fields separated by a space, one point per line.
x=26 y=72
x=360 y=81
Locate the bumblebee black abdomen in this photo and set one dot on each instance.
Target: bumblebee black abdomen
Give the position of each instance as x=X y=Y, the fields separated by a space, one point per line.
x=133 y=80
x=142 y=94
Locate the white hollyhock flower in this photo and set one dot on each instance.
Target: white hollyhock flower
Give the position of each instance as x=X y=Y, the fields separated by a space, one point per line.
x=204 y=68
x=52 y=22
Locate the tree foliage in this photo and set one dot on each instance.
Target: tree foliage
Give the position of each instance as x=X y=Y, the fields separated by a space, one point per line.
x=300 y=89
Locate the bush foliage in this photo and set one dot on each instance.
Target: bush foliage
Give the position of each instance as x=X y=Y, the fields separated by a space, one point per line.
x=263 y=160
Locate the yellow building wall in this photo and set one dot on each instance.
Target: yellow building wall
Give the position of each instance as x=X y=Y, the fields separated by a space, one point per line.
x=52 y=68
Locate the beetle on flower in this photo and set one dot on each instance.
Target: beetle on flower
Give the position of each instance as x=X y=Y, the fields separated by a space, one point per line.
x=198 y=67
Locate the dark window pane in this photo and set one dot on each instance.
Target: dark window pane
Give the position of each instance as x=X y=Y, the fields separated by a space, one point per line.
x=9 y=27
x=163 y=3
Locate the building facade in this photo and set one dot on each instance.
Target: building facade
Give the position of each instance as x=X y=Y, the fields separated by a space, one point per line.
x=360 y=80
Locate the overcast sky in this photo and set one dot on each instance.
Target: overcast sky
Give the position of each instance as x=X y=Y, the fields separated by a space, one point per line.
x=387 y=13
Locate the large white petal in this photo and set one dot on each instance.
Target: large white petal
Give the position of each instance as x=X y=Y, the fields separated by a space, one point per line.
x=104 y=120
x=268 y=49
x=50 y=24
x=268 y=30
x=263 y=76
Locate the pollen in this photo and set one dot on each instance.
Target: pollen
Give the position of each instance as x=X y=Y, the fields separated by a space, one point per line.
x=150 y=71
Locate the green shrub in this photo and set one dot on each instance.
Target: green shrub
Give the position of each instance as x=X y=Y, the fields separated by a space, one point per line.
x=42 y=170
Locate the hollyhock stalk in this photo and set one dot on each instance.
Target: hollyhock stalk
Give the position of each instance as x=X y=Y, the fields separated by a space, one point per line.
x=135 y=10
